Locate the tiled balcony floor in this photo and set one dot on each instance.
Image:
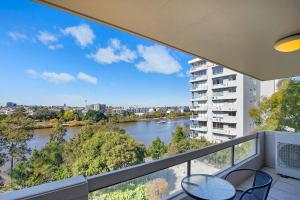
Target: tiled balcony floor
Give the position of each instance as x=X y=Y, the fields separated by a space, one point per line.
x=282 y=188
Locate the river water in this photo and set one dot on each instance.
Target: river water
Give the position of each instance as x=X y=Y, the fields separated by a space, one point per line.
x=144 y=132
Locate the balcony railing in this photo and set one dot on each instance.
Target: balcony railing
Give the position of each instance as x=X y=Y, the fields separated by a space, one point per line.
x=225 y=131
x=199 y=118
x=79 y=187
x=198 y=78
x=224 y=119
x=224 y=95
x=198 y=88
x=225 y=85
x=224 y=73
x=198 y=108
x=224 y=107
x=198 y=128
x=198 y=68
x=199 y=98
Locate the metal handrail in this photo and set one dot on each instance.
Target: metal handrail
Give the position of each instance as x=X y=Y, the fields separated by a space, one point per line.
x=101 y=181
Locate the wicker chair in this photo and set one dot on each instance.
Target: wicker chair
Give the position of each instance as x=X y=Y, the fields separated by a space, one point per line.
x=260 y=186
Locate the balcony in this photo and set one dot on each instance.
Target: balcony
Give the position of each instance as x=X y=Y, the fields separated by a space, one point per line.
x=198 y=128
x=198 y=108
x=225 y=119
x=198 y=68
x=225 y=131
x=198 y=88
x=224 y=73
x=199 y=118
x=225 y=85
x=200 y=98
x=198 y=78
x=224 y=95
x=229 y=107
x=260 y=154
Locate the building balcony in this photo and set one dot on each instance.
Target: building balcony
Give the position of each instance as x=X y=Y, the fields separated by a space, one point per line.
x=200 y=98
x=225 y=119
x=256 y=151
x=198 y=108
x=224 y=95
x=224 y=108
x=198 y=128
x=223 y=74
x=198 y=78
x=225 y=85
x=225 y=131
x=199 y=118
x=198 y=88
x=198 y=68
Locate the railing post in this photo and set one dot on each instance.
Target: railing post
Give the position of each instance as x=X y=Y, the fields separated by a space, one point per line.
x=232 y=156
x=188 y=168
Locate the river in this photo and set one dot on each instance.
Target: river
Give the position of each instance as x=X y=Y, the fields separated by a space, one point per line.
x=144 y=132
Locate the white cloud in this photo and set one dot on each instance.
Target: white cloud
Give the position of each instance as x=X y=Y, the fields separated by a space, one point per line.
x=54 y=77
x=55 y=46
x=57 y=78
x=46 y=37
x=31 y=72
x=114 y=52
x=15 y=35
x=157 y=59
x=83 y=34
x=87 y=78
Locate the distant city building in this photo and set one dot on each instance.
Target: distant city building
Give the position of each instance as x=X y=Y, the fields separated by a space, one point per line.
x=11 y=104
x=221 y=100
x=184 y=109
x=97 y=107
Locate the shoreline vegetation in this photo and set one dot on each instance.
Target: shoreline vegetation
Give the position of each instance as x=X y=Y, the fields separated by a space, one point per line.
x=51 y=124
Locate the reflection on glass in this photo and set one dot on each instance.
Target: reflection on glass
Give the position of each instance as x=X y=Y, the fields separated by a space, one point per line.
x=244 y=150
x=153 y=186
x=212 y=163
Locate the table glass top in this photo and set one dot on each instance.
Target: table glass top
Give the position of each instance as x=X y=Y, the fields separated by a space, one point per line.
x=207 y=187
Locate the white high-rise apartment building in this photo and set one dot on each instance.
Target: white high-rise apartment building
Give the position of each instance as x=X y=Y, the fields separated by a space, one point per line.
x=221 y=100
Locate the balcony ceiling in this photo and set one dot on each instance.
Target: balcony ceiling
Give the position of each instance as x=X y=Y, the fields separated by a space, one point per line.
x=238 y=34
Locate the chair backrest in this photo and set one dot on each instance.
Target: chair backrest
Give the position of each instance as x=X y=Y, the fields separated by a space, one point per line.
x=261 y=185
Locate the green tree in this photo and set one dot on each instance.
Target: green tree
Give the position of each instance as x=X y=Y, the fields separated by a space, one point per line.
x=187 y=144
x=157 y=149
x=95 y=116
x=15 y=132
x=45 y=165
x=179 y=134
x=58 y=133
x=102 y=150
x=281 y=111
x=44 y=114
x=69 y=115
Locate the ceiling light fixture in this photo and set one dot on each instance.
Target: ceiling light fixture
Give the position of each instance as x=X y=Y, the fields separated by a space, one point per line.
x=288 y=44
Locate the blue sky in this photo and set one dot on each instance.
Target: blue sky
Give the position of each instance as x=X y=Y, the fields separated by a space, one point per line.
x=49 y=57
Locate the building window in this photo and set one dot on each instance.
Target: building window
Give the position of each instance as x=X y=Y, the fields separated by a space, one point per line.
x=217 y=70
x=232 y=113
x=202 y=72
x=232 y=90
x=232 y=78
x=217 y=81
x=232 y=125
x=218 y=125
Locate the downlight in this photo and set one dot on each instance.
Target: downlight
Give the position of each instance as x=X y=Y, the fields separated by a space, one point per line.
x=288 y=44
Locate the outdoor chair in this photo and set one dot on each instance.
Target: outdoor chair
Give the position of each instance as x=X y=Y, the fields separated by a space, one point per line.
x=260 y=186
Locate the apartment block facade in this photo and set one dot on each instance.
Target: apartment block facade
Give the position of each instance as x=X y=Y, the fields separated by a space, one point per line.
x=220 y=101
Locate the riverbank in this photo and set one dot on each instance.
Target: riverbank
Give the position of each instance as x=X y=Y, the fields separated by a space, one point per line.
x=49 y=124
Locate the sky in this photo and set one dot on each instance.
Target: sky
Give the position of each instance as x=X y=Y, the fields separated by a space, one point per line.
x=49 y=57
